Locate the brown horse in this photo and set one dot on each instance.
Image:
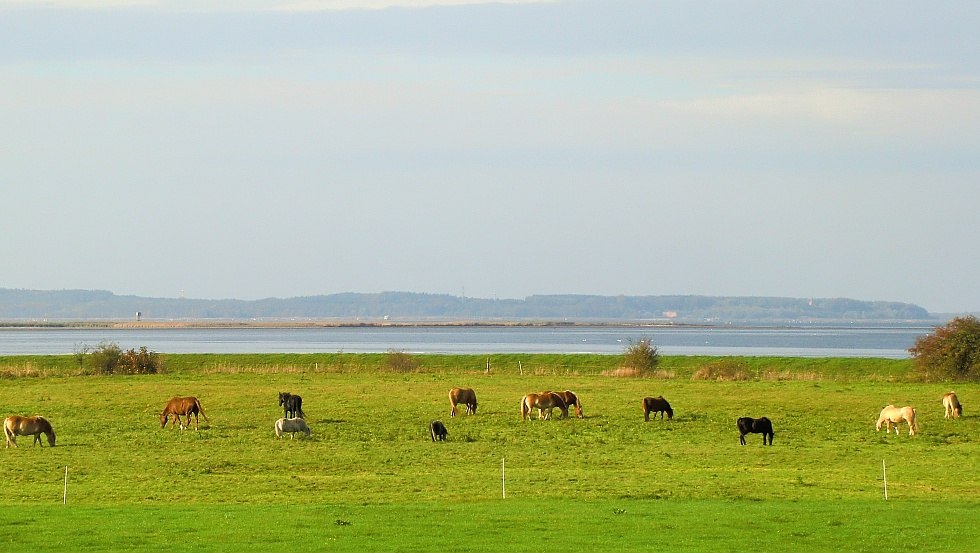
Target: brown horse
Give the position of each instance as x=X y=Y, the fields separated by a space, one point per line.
x=894 y=415
x=952 y=406
x=545 y=401
x=464 y=396
x=185 y=406
x=570 y=399
x=16 y=425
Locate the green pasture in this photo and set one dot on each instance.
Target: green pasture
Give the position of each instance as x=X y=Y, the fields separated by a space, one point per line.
x=370 y=477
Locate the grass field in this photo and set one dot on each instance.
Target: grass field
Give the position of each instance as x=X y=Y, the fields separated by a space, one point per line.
x=370 y=477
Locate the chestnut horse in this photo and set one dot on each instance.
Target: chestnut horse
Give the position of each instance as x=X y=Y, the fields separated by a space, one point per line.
x=952 y=406
x=16 y=425
x=570 y=399
x=894 y=415
x=464 y=396
x=545 y=401
x=185 y=406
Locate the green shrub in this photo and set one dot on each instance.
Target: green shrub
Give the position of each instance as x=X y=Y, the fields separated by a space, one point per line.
x=951 y=352
x=106 y=357
x=641 y=357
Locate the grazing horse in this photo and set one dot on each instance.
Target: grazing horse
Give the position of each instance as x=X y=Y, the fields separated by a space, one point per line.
x=464 y=396
x=185 y=406
x=438 y=431
x=952 y=406
x=292 y=405
x=292 y=426
x=570 y=399
x=894 y=415
x=747 y=425
x=16 y=425
x=542 y=402
x=656 y=405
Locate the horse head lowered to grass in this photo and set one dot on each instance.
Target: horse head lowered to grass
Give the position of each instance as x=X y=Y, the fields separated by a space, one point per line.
x=894 y=415
x=182 y=406
x=545 y=401
x=16 y=425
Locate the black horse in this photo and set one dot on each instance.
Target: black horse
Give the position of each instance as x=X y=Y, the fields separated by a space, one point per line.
x=438 y=431
x=292 y=406
x=762 y=426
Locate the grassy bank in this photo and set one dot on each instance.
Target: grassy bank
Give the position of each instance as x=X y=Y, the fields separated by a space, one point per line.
x=370 y=475
x=501 y=364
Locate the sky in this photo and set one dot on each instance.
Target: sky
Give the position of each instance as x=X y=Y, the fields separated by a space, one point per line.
x=264 y=148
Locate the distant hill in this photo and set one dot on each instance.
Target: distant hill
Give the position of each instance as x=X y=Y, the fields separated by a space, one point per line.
x=97 y=304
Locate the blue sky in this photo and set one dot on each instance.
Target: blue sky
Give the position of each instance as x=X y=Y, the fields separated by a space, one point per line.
x=273 y=149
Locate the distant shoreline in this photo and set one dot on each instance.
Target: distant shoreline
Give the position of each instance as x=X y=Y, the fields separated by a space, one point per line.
x=329 y=324
x=321 y=323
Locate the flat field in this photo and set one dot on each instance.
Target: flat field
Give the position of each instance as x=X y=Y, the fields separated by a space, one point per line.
x=370 y=477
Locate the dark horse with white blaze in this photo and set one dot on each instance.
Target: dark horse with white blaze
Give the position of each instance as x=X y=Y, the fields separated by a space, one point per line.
x=748 y=425
x=182 y=406
x=292 y=405
x=464 y=396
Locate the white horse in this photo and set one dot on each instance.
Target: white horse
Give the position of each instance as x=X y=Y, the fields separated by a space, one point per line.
x=894 y=415
x=292 y=426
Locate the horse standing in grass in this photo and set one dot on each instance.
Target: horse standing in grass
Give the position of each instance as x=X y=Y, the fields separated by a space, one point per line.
x=656 y=405
x=571 y=399
x=292 y=405
x=182 y=406
x=438 y=431
x=748 y=425
x=292 y=426
x=952 y=406
x=542 y=402
x=464 y=396
x=894 y=415
x=15 y=425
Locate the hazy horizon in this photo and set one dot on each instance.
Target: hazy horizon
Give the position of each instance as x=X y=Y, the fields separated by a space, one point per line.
x=274 y=149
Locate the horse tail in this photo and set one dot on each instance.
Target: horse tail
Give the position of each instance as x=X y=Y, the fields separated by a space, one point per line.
x=200 y=409
x=525 y=408
x=915 y=421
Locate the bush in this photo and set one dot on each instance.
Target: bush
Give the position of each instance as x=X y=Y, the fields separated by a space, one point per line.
x=142 y=361
x=106 y=357
x=641 y=357
x=951 y=352
x=109 y=358
x=399 y=361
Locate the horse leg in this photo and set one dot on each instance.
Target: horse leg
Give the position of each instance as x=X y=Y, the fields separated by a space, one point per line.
x=741 y=439
x=452 y=413
x=195 y=421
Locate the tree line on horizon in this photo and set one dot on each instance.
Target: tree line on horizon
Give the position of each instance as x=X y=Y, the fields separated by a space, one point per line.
x=99 y=304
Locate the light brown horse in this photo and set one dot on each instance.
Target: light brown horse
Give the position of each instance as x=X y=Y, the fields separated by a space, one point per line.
x=545 y=401
x=185 y=406
x=16 y=425
x=952 y=406
x=465 y=396
x=894 y=415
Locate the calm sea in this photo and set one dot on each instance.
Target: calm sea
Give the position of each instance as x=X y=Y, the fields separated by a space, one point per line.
x=823 y=341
